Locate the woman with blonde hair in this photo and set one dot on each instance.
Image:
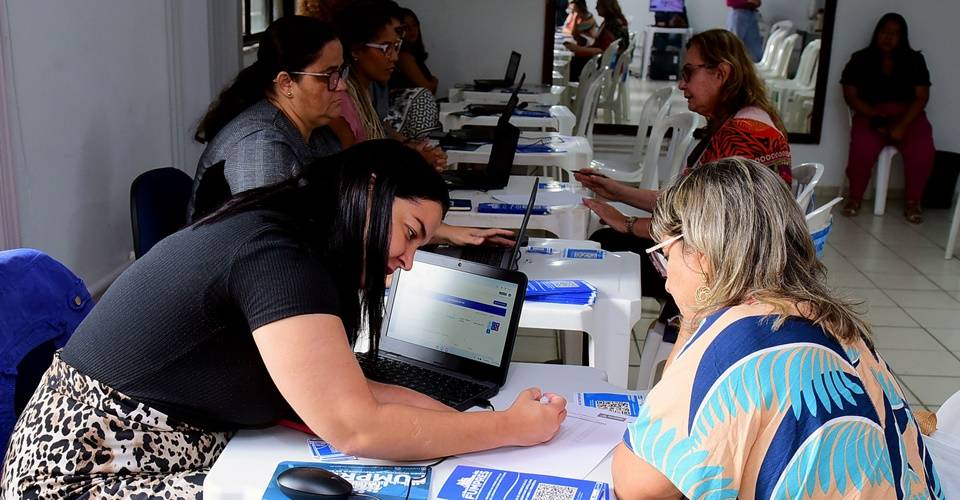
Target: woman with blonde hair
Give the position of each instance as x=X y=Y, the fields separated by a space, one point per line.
x=774 y=388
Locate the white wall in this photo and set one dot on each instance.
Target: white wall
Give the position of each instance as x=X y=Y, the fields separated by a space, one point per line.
x=467 y=39
x=101 y=92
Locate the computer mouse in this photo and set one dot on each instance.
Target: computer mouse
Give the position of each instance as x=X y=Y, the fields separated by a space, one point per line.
x=304 y=483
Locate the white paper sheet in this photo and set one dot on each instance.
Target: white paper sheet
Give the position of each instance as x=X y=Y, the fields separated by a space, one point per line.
x=548 y=198
x=585 y=438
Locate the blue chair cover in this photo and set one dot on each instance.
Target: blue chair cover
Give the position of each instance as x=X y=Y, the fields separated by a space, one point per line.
x=41 y=304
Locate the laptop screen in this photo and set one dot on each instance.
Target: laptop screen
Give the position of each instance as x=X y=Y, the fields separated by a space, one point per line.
x=453 y=311
x=512 y=67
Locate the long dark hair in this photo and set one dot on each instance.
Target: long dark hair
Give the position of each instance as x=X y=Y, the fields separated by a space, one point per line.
x=904 y=46
x=326 y=207
x=416 y=48
x=359 y=22
x=290 y=43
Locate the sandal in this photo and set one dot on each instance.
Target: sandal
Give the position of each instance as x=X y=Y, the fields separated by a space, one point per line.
x=851 y=208
x=913 y=212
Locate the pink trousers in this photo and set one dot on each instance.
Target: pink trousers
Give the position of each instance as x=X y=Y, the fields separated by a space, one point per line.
x=916 y=147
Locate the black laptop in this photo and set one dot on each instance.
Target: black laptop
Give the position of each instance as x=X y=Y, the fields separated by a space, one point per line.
x=485 y=133
x=449 y=330
x=497 y=171
x=508 y=78
x=496 y=256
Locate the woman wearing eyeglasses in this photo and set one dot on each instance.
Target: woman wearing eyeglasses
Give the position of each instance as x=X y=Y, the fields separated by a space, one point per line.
x=719 y=82
x=371 y=36
x=272 y=119
x=774 y=389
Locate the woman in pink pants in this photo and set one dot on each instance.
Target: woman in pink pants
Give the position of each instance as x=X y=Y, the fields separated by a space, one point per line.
x=887 y=86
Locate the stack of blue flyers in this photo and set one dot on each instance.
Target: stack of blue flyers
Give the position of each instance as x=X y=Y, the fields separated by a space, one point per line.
x=576 y=292
x=326 y=452
x=467 y=482
x=386 y=482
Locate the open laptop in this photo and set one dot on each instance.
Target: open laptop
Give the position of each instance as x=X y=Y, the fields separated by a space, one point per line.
x=487 y=133
x=497 y=256
x=508 y=78
x=497 y=171
x=449 y=330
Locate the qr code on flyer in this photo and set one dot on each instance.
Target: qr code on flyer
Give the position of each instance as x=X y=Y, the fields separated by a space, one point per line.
x=546 y=491
x=618 y=407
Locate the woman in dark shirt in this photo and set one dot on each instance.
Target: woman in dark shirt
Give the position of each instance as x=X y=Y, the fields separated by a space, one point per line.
x=887 y=86
x=614 y=28
x=190 y=344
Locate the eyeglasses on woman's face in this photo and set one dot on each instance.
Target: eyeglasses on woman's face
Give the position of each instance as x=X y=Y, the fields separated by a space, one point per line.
x=658 y=256
x=333 y=77
x=686 y=72
x=387 y=48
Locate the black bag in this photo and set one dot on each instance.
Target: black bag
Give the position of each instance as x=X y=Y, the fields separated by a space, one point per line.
x=943 y=180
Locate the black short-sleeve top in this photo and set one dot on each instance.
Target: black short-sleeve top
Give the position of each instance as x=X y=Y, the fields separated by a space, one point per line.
x=174 y=331
x=864 y=71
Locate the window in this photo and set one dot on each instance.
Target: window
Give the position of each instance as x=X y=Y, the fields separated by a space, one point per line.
x=258 y=14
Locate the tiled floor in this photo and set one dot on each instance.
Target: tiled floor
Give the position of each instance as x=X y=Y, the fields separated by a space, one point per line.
x=910 y=294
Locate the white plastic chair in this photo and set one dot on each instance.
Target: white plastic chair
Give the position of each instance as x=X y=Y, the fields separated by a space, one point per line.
x=944 y=446
x=882 y=178
x=770 y=48
x=805 y=78
x=588 y=105
x=589 y=71
x=781 y=59
x=954 y=229
x=655 y=109
x=614 y=98
x=655 y=351
x=805 y=179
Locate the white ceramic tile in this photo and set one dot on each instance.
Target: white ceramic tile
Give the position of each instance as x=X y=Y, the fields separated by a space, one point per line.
x=868 y=250
x=932 y=391
x=853 y=279
x=949 y=337
x=534 y=349
x=871 y=297
x=891 y=337
x=895 y=265
x=889 y=316
x=949 y=282
x=955 y=295
x=935 y=318
x=929 y=299
x=911 y=362
x=892 y=281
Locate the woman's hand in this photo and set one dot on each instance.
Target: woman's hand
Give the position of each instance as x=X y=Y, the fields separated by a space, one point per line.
x=608 y=215
x=434 y=155
x=464 y=236
x=531 y=422
x=599 y=183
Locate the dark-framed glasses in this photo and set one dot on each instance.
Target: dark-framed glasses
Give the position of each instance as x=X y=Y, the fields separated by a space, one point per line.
x=386 y=48
x=686 y=72
x=333 y=77
x=657 y=256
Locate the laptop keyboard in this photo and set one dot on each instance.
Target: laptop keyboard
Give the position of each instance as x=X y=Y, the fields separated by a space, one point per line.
x=450 y=391
x=489 y=255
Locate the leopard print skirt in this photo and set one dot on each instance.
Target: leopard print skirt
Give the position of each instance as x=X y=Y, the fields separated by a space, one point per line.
x=78 y=438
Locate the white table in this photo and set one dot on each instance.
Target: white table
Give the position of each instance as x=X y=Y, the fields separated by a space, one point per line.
x=649 y=32
x=568 y=152
x=609 y=322
x=569 y=221
x=247 y=464
x=549 y=95
x=561 y=119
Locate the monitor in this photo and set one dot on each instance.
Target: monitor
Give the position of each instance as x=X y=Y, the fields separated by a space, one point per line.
x=666 y=6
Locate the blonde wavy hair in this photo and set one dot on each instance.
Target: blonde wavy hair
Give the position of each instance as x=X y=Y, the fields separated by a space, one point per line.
x=743 y=218
x=743 y=87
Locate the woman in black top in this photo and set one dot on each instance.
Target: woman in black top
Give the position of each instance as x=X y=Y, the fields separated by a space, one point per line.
x=412 y=70
x=887 y=86
x=191 y=343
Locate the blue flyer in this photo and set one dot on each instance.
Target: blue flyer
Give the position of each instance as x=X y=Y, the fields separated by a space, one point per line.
x=326 y=452
x=542 y=250
x=584 y=253
x=471 y=483
x=622 y=404
x=381 y=481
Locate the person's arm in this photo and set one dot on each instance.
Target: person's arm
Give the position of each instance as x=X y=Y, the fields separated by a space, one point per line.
x=315 y=370
x=407 y=65
x=463 y=236
x=916 y=107
x=341 y=129
x=387 y=393
x=644 y=199
x=635 y=478
x=857 y=104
